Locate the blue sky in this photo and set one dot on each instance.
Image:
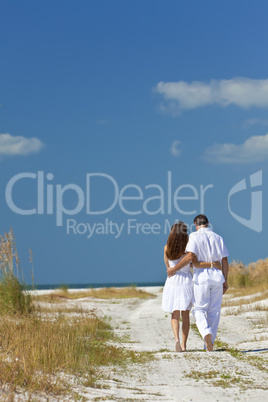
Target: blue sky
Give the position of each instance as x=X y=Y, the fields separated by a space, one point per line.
x=140 y=93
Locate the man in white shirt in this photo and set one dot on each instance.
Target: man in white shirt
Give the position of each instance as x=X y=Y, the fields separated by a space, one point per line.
x=209 y=284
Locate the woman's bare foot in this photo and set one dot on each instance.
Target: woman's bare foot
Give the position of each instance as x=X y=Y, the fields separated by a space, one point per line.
x=208 y=342
x=178 y=346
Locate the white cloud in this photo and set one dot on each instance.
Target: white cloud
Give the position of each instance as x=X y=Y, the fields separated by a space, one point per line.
x=242 y=92
x=174 y=148
x=10 y=145
x=254 y=149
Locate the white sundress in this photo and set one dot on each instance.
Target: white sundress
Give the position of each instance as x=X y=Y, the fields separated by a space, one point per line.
x=178 y=289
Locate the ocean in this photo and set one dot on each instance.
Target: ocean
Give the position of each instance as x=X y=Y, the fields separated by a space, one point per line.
x=93 y=285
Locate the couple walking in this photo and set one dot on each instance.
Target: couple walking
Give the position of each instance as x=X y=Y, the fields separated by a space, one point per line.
x=208 y=254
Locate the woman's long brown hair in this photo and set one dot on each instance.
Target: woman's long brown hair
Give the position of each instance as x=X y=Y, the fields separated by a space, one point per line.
x=177 y=241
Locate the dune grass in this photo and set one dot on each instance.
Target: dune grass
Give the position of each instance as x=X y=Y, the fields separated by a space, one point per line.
x=237 y=299
x=62 y=295
x=248 y=285
x=254 y=276
x=14 y=299
x=35 y=351
x=49 y=354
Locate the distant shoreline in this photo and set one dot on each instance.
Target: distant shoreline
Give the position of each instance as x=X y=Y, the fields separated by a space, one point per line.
x=93 y=285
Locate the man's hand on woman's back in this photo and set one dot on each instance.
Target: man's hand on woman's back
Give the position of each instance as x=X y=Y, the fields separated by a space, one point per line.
x=225 y=287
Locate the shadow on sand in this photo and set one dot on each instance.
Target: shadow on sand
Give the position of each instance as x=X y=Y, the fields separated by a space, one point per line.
x=254 y=350
x=226 y=350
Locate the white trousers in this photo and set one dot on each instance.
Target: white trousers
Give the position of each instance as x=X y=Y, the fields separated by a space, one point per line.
x=207 y=308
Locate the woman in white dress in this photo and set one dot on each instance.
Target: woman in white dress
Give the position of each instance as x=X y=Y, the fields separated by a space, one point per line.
x=178 y=289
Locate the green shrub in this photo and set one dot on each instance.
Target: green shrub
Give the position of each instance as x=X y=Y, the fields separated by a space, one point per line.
x=14 y=299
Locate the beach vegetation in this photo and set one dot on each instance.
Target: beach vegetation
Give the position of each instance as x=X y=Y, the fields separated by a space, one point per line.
x=199 y=375
x=167 y=356
x=248 y=288
x=47 y=350
x=259 y=362
x=221 y=379
x=244 y=300
x=39 y=354
x=220 y=345
x=14 y=299
x=254 y=275
x=61 y=295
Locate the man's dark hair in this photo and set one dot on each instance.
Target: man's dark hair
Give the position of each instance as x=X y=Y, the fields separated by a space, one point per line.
x=201 y=220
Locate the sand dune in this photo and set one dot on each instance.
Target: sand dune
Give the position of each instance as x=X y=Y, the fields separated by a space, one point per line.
x=223 y=375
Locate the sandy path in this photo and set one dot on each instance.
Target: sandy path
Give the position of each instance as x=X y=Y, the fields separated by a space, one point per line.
x=192 y=376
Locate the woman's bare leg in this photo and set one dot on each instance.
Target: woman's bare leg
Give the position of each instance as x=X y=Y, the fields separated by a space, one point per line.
x=175 y=323
x=185 y=328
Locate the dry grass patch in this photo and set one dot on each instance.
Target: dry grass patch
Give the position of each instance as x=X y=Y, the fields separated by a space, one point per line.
x=13 y=298
x=239 y=300
x=242 y=292
x=218 y=378
x=246 y=281
x=49 y=351
x=253 y=275
x=39 y=355
x=61 y=308
x=104 y=293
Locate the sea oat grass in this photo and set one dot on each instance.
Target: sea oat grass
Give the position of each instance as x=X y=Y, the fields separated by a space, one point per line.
x=13 y=297
x=34 y=351
x=242 y=276
x=41 y=350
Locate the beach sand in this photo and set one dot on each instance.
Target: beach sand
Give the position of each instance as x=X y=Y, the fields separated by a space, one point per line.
x=192 y=376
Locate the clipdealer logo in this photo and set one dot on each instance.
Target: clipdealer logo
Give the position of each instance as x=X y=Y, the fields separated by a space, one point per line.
x=131 y=199
x=255 y=220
